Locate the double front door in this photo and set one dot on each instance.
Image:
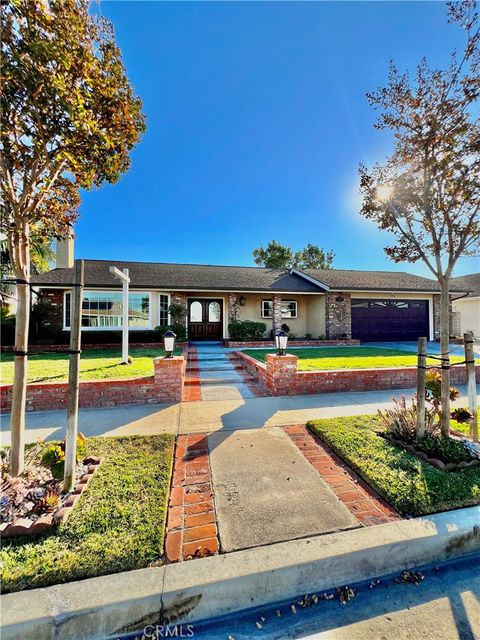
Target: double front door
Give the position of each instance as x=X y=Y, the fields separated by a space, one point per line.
x=205 y=319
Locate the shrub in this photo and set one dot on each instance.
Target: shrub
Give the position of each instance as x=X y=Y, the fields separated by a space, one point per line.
x=246 y=330
x=444 y=449
x=178 y=313
x=178 y=329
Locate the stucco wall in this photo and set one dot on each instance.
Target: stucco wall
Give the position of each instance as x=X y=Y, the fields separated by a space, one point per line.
x=469 y=309
x=310 y=318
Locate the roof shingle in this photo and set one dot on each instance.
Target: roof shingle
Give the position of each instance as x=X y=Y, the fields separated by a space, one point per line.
x=189 y=277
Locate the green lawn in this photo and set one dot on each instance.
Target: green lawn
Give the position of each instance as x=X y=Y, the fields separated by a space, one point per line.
x=95 y=364
x=410 y=485
x=324 y=358
x=117 y=525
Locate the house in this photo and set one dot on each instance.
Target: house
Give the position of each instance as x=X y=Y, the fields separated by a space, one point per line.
x=467 y=308
x=332 y=304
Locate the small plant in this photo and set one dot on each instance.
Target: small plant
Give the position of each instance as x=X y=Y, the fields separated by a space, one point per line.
x=53 y=456
x=462 y=415
x=308 y=336
x=46 y=500
x=401 y=421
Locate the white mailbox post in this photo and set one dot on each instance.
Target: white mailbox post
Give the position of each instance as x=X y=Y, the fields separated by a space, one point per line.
x=123 y=276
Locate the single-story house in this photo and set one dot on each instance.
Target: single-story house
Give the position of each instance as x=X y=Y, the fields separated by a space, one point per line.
x=467 y=308
x=332 y=303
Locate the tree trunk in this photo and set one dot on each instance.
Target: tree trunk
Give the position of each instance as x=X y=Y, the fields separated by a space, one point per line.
x=444 y=348
x=21 y=264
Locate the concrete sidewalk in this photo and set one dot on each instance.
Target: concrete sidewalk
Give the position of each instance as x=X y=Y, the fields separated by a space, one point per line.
x=209 y=416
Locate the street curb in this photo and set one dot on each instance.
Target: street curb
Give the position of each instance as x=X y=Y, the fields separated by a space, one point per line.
x=188 y=592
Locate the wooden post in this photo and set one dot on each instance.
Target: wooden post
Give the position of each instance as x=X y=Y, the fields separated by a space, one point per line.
x=125 y=283
x=471 y=384
x=421 y=370
x=73 y=377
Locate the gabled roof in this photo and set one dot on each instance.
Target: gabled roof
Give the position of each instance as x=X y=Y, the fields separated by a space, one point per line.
x=470 y=283
x=191 y=277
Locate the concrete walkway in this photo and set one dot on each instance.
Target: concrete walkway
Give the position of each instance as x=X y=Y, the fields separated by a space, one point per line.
x=219 y=379
x=266 y=491
x=208 y=416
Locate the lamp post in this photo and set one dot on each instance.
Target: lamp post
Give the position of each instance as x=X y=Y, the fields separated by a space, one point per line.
x=281 y=340
x=123 y=276
x=169 y=343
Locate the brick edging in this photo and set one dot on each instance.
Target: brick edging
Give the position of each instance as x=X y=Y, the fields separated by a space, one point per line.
x=27 y=527
x=191 y=530
x=363 y=502
x=236 y=344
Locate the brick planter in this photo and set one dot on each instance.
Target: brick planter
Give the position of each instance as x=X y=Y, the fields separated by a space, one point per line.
x=234 y=344
x=165 y=386
x=27 y=527
x=280 y=377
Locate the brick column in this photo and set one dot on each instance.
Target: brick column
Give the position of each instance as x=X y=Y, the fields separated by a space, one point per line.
x=169 y=375
x=338 y=315
x=281 y=374
x=277 y=314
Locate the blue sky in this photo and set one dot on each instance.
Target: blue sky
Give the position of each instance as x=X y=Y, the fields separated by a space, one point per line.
x=257 y=121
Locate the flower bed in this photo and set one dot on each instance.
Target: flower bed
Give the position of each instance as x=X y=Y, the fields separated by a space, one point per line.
x=117 y=525
x=411 y=485
x=236 y=344
x=33 y=503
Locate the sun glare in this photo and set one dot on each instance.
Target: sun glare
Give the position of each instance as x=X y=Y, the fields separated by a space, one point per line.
x=384 y=192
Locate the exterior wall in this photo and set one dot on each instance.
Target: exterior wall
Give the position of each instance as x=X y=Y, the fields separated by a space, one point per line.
x=166 y=386
x=279 y=377
x=338 y=315
x=316 y=325
x=469 y=310
x=253 y=311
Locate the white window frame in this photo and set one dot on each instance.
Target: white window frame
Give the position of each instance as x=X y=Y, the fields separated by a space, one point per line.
x=295 y=302
x=119 y=328
x=169 y=296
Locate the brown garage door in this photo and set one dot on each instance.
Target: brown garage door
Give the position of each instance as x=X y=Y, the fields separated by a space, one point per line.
x=384 y=320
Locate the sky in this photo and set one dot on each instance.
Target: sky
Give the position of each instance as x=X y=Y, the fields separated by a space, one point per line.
x=257 y=121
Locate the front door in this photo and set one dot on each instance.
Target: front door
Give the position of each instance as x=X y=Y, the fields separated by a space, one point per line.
x=205 y=319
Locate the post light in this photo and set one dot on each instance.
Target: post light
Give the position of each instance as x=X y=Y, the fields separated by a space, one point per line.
x=169 y=343
x=281 y=340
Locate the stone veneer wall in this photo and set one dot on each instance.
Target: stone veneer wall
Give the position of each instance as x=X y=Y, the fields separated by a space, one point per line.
x=338 y=320
x=436 y=316
x=55 y=317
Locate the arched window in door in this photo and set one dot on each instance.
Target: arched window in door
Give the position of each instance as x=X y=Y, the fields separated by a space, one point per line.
x=214 y=314
x=196 y=312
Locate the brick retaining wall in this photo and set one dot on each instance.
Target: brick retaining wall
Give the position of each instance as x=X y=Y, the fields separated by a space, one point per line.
x=234 y=344
x=280 y=377
x=165 y=386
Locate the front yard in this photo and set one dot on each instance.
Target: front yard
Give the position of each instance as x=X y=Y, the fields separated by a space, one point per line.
x=325 y=358
x=117 y=525
x=95 y=364
x=412 y=486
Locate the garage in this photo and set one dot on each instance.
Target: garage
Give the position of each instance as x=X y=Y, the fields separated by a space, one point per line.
x=384 y=320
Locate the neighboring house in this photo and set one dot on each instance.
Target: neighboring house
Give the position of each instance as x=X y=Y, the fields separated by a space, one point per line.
x=334 y=304
x=467 y=307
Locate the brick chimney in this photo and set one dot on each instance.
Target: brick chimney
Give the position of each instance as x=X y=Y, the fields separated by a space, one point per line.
x=64 y=256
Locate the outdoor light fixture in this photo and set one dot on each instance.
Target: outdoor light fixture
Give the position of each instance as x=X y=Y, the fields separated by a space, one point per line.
x=169 y=343
x=281 y=339
x=242 y=300
x=339 y=299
